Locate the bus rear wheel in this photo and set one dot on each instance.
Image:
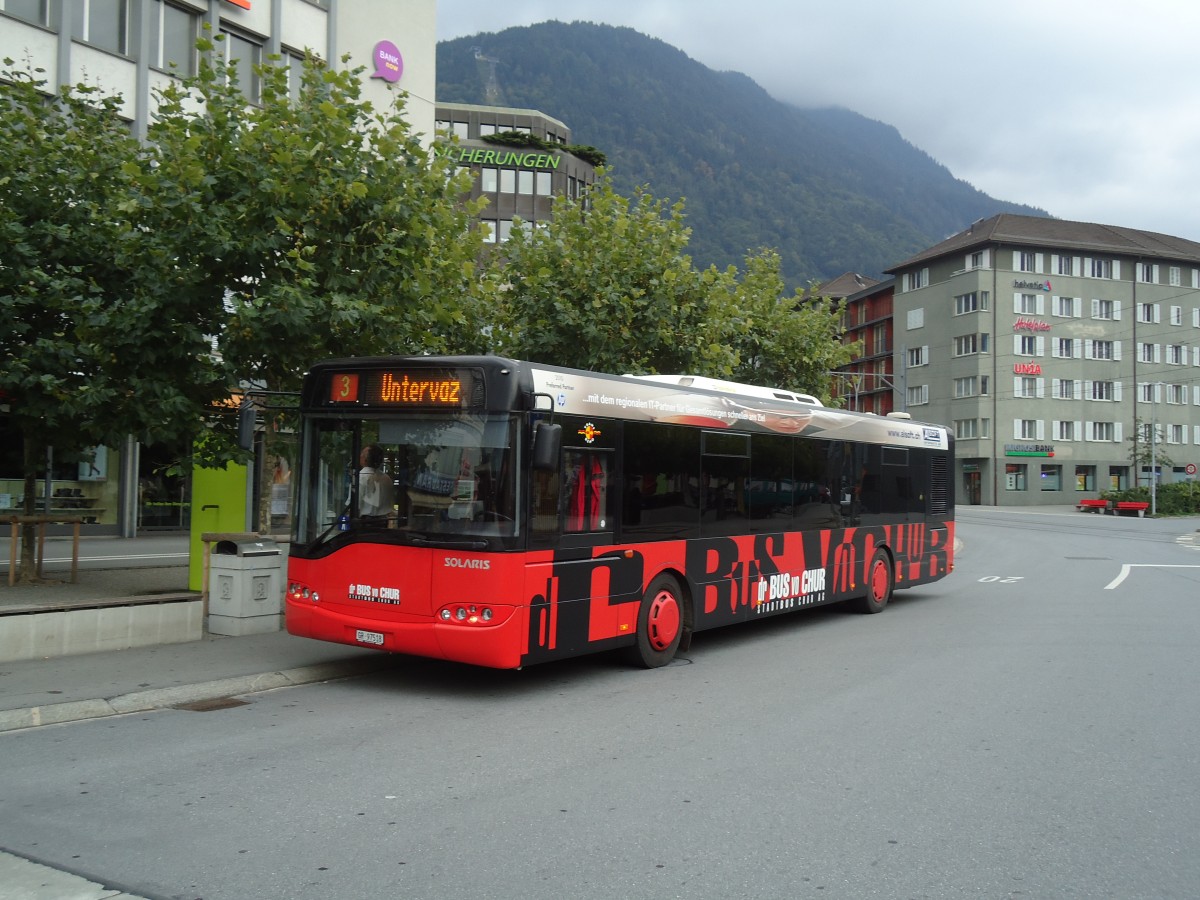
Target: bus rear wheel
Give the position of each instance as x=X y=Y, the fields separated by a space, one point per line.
x=660 y=623
x=880 y=580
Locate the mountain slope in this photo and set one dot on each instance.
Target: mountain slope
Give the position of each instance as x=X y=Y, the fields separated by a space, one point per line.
x=831 y=190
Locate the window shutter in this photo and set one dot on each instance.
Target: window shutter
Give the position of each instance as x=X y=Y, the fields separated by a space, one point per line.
x=1076 y=307
x=1095 y=308
x=1078 y=430
x=1116 y=270
x=1041 y=429
x=1089 y=431
x=1078 y=390
x=1041 y=387
x=1116 y=390
x=1116 y=350
x=1039 y=264
x=1077 y=348
x=1117 y=433
x=1040 y=343
x=1055 y=387
x=1117 y=310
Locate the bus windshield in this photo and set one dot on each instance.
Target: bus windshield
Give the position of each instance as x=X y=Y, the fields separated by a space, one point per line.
x=432 y=476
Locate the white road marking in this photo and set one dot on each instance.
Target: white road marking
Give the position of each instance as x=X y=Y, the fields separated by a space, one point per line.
x=1127 y=567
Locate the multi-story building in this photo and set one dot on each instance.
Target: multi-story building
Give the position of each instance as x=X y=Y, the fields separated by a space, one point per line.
x=1062 y=353
x=520 y=182
x=132 y=48
x=870 y=382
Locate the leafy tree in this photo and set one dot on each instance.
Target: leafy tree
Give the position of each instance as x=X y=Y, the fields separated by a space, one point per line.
x=93 y=348
x=607 y=285
x=1142 y=449
x=788 y=342
x=321 y=225
x=139 y=284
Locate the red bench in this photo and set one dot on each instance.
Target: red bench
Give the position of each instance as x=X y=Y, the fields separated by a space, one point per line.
x=1131 y=506
x=1098 y=506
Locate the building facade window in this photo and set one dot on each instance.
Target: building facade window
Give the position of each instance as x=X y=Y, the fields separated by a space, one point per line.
x=1026 y=261
x=1066 y=348
x=244 y=57
x=967 y=386
x=35 y=11
x=102 y=23
x=1028 y=429
x=1101 y=268
x=966 y=429
x=173 y=34
x=969 y=344
x=975 y=301
x=918 y=395
x=1066 y=265
x=1064 y=431
x=1105 y=309
x=918 y=356
x=1103 y=350
x=1148 y=313
x=1103 y=390
x=1066 y=307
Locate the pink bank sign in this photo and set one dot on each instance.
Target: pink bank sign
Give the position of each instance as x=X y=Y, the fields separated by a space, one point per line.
x=389 y=65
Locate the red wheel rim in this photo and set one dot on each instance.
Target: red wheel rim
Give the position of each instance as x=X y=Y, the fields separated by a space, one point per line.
x=662 y=625
x=879 y=581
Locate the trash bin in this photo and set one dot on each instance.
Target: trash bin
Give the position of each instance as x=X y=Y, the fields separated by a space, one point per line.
x=245 y=586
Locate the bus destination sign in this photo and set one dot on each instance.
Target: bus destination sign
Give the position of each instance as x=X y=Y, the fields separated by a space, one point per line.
x=423 y=388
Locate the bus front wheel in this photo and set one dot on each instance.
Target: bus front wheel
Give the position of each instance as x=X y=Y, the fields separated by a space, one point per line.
x=880 y=580
x=660 y=623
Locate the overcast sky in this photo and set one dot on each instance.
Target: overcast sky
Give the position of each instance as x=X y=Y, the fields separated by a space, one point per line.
x=1085 y=108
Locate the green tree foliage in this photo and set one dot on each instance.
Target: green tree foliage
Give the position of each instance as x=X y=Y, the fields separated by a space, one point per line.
x=781 y=341
x=321 y=225
x=608 y=285
x=93 y=347
x=140 y=284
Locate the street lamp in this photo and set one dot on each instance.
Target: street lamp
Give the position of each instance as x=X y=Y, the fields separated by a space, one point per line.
x=1154 y=388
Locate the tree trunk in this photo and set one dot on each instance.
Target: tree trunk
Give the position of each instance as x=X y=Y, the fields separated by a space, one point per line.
x=27 y=572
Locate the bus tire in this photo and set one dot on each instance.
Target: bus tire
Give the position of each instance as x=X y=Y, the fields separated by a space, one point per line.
x=660 y=623
x=880 y=581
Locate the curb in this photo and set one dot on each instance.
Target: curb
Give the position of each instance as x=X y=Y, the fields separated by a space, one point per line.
x=163 y=698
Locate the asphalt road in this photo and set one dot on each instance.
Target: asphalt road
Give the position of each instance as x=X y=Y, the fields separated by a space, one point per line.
x=1027 y=727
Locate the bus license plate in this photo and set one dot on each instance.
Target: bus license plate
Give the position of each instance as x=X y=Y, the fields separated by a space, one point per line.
x=369 y=637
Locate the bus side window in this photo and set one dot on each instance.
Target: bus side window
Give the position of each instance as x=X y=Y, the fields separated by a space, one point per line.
x=586 y=491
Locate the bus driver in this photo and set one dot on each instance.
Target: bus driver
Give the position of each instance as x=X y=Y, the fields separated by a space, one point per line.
x=374 y=486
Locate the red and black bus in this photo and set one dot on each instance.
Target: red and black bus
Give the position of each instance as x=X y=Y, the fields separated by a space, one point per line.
x=538 y=512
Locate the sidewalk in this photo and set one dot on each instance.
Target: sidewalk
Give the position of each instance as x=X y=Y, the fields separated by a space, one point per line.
x=70 y=688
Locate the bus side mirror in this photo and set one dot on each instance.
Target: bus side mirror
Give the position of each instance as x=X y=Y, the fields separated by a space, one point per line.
x=547 y=442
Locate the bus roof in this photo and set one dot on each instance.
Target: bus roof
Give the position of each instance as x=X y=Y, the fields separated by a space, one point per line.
x=732 y=387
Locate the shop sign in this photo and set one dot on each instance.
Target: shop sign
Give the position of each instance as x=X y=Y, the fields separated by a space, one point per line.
x=1027 y=368
x=477 y=156
x=1023 y=324
x=389 y=65
x=1031 y=285
x=1028 y=449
